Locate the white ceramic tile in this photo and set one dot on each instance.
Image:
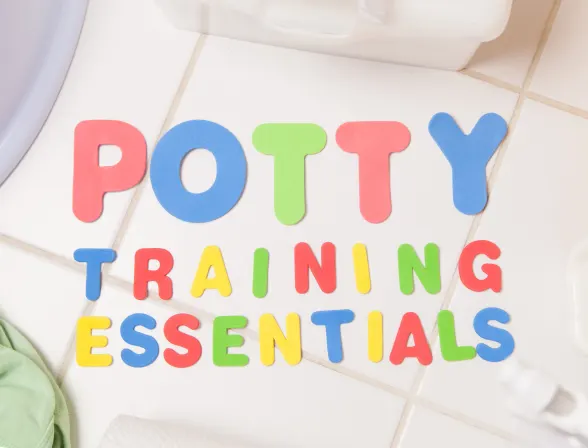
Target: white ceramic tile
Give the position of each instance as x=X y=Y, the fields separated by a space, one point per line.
x=128 y=66
x=42 y=300
x=509 y=57
x=563 y=69
x=427 y=428
x=240 y=86
x=536 y=216
x=301 y=406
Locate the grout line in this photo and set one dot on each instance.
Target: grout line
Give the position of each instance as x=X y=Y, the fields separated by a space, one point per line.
x=537 y=97
x=91 y=305
x=52 y=258
x=466 y=419
x=557 y=105
x=541 y=45
x=491 y=80
x=164 y=128
x=420 y=376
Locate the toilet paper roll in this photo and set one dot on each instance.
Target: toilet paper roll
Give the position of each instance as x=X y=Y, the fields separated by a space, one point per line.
x=132 y=432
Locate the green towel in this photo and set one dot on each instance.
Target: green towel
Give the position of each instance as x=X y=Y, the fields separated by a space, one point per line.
x=33 y=411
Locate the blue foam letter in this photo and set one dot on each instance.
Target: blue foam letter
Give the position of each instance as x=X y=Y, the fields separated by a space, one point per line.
x=332 y=320
x=231 y=171
x=131 y=336
x=490 y=333
x=468 y=156
x=95 y=259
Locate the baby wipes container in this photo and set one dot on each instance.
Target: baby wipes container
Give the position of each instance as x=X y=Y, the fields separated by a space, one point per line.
x=432 y=33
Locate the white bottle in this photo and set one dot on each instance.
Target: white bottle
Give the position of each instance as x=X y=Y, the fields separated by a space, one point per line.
x=536 y=397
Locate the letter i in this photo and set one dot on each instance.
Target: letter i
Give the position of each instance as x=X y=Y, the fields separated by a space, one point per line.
x=375 y=336
x=362 y=270
x=260 y=272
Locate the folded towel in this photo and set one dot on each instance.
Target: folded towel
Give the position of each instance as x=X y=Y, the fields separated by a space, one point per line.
x=133 y=432
x=33 y=412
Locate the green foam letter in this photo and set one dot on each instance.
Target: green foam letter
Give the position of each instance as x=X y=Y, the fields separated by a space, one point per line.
x=289 y=143
x=429 y=274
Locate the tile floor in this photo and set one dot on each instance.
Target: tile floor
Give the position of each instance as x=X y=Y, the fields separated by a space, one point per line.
x=140 y=70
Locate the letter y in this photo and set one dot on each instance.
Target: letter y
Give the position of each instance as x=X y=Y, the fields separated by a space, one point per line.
x=468 y=156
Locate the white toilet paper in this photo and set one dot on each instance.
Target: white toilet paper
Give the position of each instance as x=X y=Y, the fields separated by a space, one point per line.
x=133 y=432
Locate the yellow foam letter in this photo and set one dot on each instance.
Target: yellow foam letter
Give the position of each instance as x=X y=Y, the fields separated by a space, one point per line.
x=362 y=269
x=271 y=336
x=86 y=341
x=211 y=258
x=375 y=336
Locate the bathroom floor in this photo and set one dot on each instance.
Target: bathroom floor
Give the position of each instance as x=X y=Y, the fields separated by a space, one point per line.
x=132 y=66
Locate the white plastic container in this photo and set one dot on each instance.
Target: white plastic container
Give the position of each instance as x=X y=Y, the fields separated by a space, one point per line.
x=433 y=33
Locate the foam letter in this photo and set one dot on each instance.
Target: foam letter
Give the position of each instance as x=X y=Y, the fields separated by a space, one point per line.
x=362 y=269
x=231 y=171
x=172 y=332
x=332 y=320
x=92 y=181
x=211 y=258
x=131 y=336
x=94 y=258
x=429 y=274
x=448 y=341
x=468 y=156
x=271 y=336
x=160 y=275
x=493 y=272
x=375 y=336
x=411 y=326
x=305 y=261
x=289 y=143
x=490 y=333
x=260 y=272
x=374 y=142
x=222 y=341
x=86 y=341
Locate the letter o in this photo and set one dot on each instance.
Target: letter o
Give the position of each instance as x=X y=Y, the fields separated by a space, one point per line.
x=231 y=171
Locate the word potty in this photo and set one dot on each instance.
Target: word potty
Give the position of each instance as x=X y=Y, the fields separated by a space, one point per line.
x=289 y=144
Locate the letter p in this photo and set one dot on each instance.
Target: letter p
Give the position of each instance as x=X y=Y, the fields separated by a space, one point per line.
x=92 y=181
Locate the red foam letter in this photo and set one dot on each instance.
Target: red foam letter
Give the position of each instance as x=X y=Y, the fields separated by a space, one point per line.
x=92 y=181
x=373 y=142
x=411 y=325
x=305 y=261
x=493 y=272
x=160 y=276
x=172 y=332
